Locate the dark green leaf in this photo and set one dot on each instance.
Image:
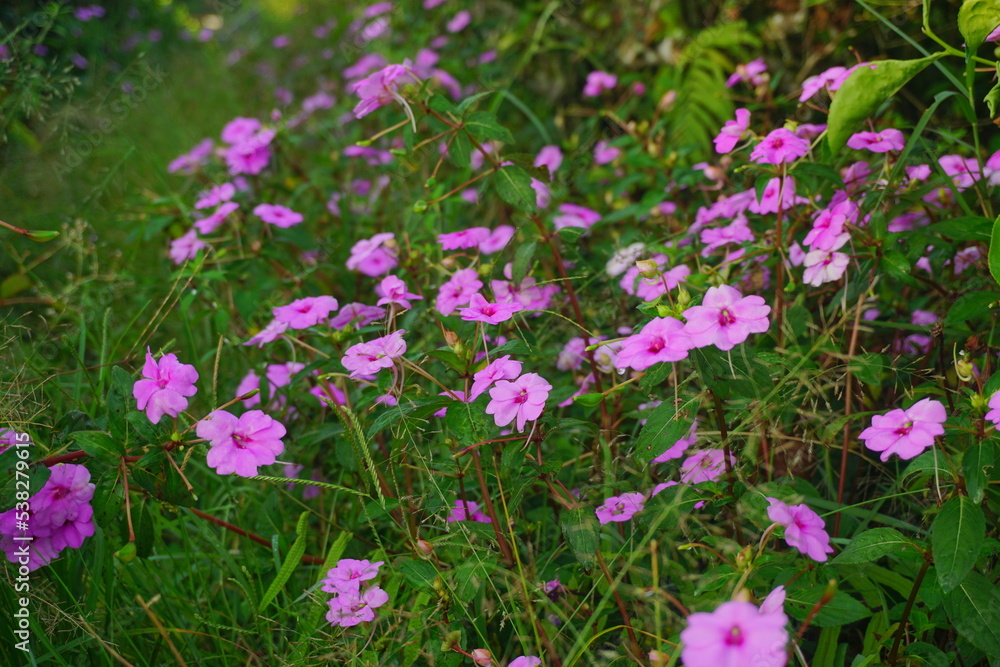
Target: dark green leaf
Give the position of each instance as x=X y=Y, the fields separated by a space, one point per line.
x=418 y=573
x=580 y=528
x=872 y=545
x=514 y=187
x=663 y=428
x=978 y=465
x=973 y=608
x=100 y=445
x=957 y=535
x=483 y=126
x=523 y=258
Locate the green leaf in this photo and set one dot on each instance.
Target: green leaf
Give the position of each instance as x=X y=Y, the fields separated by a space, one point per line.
x=589 y=400
x=100 y=445
x=119 y=401
x=964 y=228
x=661 y=431
x=418 y=573
x=292 y=560
x=468 y=422
x=469 y=101
x=864 y=92
x=514 y=187
x=993 y=97
x=957 y=534
x=841 y=610
x=522 y=261
x=976 y=20
x=580 y=528
x=470 y=576
x=460 y=150
x=994 y=257
x=977 y=466
x=973 y=608
x=483 y=125
x=928 y=655
x=872 y=545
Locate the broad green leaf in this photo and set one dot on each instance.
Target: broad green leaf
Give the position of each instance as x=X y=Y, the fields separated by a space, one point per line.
x=994 y=257
x=483 y=125
x=993 y=97
x=872 y=545
x=514 y=187
x=974 y=611
x=469 y=423
x=419 y=573
x=100 y=445
x=523 y=258
x=581 y=530
x=977 y=466
x=292 y=560
x=470 y=576
x=957 y=535
x=864 y=92
x=119 y=402
x=661 y=431
x=460 y=150
x=928 y=655
x=841 y=610
x=976 y=20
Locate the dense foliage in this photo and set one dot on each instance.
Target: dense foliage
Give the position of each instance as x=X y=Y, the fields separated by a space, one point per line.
x=559 y=334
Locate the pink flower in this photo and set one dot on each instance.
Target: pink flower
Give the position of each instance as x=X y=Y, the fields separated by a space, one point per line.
x=737 y=231
x=804 y=529
x=467 y=510
x=778 y=147
x=725 y=318
x=906 y=432
x=677 y=450
x=212 y=222
x=775 y=196
x=189 y=162
x=459 y=21
x=497 y=239
x=750 y=73
x=458 y=291
x=571 y=215
x=501 y=368
x=217 y=195
x=480 y=310
x=305 y=312
x=543 y=195
x=877 y=142
x=605 y=153
x=347 y=575
x=240 y=129
x=774 y=603
x=598 y=82
x=832 y=77
x=164 y=387
x=393 y=290
x=357 y=315
x=994 y=413
x=523 y=400
x=186 y=247
x=467 y=238
x=63 y=496
x=250 y=156
x=349 y=609
x=375 y=256
x=370 y=357
x=825 y=266
x=551 y=158
x=525 y=661
x=620 y=508
x=379 y=89
x=732 y=132
x=268 y=334
x=707 y=465
x=661 y=339
x=735 y=635
x=277 y=215
x=241 y=445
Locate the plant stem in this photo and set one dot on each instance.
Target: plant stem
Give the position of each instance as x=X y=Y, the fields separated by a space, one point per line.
x=634 y=650
x=894 y=651
x=306 y=558
x=505 y=551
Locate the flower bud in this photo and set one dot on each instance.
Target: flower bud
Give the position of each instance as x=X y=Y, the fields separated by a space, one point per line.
x=744 y=559
x=648 y=268
x=482 y=657
x=963 y=368
x=658 y=659
x=425 y=548
x=978 y=402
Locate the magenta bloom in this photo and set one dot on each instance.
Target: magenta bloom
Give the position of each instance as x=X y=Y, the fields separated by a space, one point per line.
x=67 y=490
x=370 y=357
x=357 y=315
x=804 y=529
x=735 y=635
x=348 y=609
x=458 y=291
x=209 y=224
x=571 y=215
x=526 y=661
x=906 y=432
x=497 y=239
x=826 y=265
x=502 y=368
x=551 y=158
x=379 y=89
x=347 y=575
x=605 y=153
x=778 y=147
x=620 y=508
x=598 y=82
x=994 y=414
x=662 y=339
x=393 y=290
x=305 y=312
x=732 y=132
x=186 y=247
x=707 y=465
x=877 y=142
x=268 y=334
x=480 y=310
x=467 y=510
x=217 y=195
x=677 y=450
x=240 y=129
x=241 y=445
x=725 y=318
x=523 y=400
x=375 y=256
x=165 y=386
x=250 y=156
x=750 y=72
x=467 y=238
x=277 y=215
x=459 y=21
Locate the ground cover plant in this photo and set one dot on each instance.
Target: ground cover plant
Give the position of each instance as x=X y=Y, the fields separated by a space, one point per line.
x=556 y=334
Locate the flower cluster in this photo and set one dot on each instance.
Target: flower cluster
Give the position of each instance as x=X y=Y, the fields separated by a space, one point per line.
x=350 y=605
